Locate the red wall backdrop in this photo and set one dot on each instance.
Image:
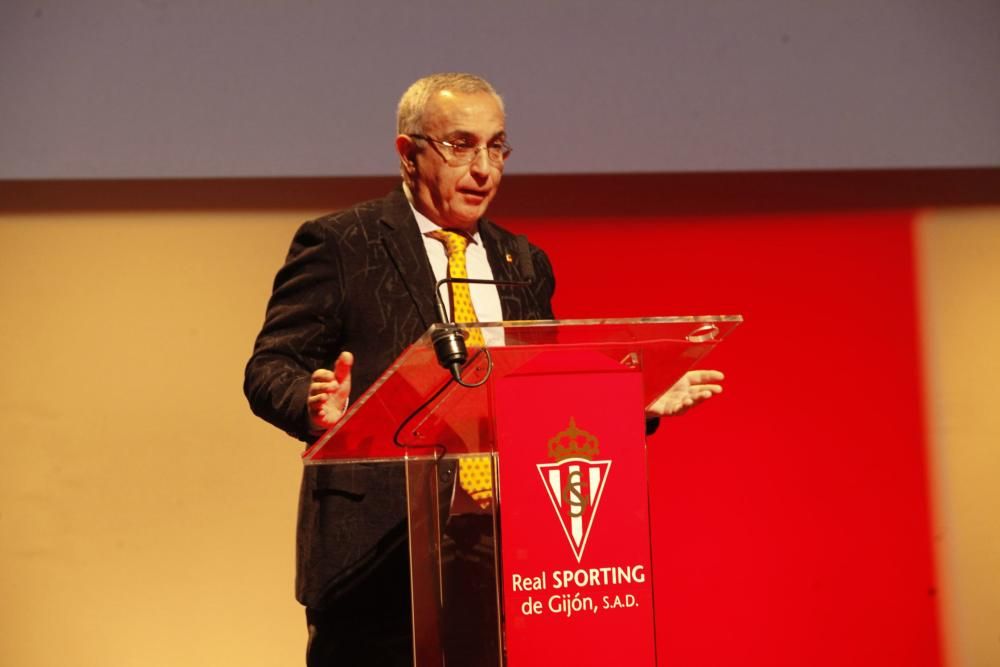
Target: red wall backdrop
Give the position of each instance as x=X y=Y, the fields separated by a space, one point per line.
x=791 y=514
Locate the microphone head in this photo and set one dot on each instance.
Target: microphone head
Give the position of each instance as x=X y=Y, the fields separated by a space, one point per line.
x=449 y=345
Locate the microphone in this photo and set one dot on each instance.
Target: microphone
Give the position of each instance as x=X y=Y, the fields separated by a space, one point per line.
x=449 y=340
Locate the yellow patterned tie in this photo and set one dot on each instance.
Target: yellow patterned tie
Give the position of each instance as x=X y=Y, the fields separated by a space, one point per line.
x=473 y=471
x=475 y=478
x=462 y=309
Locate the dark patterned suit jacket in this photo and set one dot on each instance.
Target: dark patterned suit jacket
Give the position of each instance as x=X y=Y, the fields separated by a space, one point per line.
x=359 y=280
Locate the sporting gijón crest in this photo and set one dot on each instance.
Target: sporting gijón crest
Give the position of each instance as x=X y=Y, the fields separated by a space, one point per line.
x=575 y=483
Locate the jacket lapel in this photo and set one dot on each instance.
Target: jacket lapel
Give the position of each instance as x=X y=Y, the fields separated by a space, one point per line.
x=403 y=244
x=501 y=250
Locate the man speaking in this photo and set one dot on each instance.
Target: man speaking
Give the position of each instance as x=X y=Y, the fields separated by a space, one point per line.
x=356 y=289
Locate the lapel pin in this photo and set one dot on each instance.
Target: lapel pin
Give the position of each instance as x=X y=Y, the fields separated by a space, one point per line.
x=510 y=258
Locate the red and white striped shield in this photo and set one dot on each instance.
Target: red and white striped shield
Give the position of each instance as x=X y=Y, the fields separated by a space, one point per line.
x=575 y=486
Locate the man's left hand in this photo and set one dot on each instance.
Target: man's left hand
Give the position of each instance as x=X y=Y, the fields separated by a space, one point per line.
x=693 y=388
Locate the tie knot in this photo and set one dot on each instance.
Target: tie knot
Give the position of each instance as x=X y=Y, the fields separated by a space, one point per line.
x=454 y=242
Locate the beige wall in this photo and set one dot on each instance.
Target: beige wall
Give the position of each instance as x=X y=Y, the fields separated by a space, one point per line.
x=147 y=518
x=960 y=258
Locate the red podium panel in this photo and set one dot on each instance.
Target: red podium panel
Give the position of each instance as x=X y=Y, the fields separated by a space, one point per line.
x=575 y=551
x=557 y=567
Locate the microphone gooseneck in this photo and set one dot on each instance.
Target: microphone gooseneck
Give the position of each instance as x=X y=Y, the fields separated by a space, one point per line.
x=449 y=338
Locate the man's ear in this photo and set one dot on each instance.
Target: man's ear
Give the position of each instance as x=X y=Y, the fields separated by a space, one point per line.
x=407 y=150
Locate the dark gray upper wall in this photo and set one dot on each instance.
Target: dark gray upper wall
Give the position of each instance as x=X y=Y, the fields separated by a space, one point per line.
x=231 y=88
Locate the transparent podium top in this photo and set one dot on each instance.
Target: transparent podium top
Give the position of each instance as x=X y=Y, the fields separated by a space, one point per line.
x=382 y=426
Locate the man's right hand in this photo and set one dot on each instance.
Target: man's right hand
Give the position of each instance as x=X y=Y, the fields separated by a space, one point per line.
x=329 y=392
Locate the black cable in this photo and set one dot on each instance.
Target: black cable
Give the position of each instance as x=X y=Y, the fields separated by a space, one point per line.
x=441 y=450
x=486 y=375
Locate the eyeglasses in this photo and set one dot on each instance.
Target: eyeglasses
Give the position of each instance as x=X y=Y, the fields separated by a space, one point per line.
x=461 y=154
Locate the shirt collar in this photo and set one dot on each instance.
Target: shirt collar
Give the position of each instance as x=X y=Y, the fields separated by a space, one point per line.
x=425 y=224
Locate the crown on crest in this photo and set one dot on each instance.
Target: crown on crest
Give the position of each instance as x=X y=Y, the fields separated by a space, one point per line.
x=573 y=443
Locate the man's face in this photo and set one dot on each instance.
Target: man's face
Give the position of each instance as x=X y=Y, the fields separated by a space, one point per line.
x=451 y=195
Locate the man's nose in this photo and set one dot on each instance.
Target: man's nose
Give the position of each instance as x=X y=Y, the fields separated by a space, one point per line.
x=480 y=163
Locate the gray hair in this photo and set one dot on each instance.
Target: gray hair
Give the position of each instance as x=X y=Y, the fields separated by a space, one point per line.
x=413 y=103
